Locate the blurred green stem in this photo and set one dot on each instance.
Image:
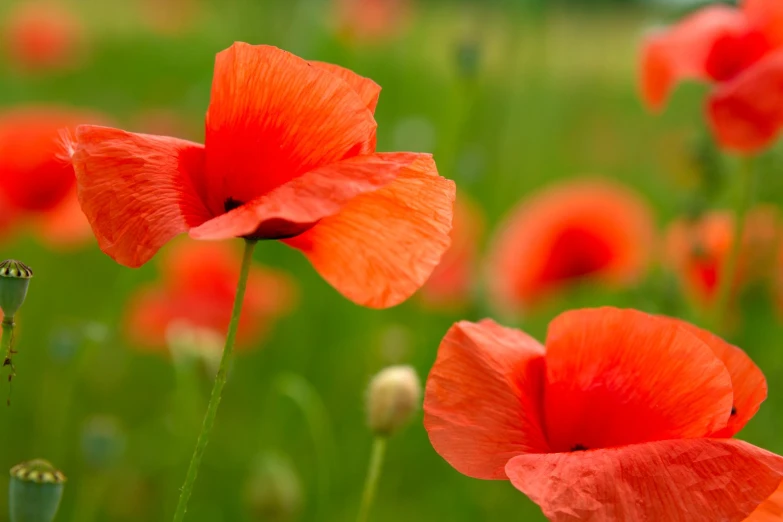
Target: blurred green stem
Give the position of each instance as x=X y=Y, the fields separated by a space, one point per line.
x=217 y=389
x=728 y=272
x=373 y=475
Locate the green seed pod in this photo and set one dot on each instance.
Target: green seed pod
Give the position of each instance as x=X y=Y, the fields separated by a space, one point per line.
x=392 y=398
x=35 y=491
x=14 y=281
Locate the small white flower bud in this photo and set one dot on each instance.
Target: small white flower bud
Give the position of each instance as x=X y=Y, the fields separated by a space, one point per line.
x=392 y=398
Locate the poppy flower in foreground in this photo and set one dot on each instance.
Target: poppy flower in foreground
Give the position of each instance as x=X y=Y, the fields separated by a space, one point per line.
x=620 y=416
x=36 y=185
x=698 y=249
x=739 y=51
x=42 y=35
x=196 y=292
x=289 y=155
x=451 y=283
x=576 y=230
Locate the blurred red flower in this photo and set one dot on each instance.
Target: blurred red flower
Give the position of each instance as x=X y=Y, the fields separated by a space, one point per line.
x=451 y=283
x=697 y=249
x=289 y=155
x=622 y=416
x=37 y=185
x=370 y=20
x=41 y=35
x=740 y=51
x=196 y=292
x=576 y=230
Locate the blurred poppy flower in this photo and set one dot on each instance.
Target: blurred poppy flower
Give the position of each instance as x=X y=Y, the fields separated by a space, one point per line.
x=576 y=230
x=289 y=155
x=42 y=35
x=698 y=249
x=170 y=17
x=451 y=283
x=370 y=20
x=740 y=51
x=621 y=416
x=195 y=295
x=36 y=185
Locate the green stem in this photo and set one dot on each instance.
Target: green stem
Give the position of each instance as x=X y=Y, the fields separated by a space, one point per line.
x=728 y=272
x=373 y=474
x=217 y=389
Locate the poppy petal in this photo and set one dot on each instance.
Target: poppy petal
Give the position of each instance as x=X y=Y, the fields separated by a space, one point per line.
x=768 y=15
x=368 y=90
x=771 y=510
x=302 y=202
x=482 y=405
x=617 y=377
x=692 y=480
x=745 y=113
x=749 y=384
x=273 y=117
x=383 y=245
x=681 y=52
x=137 y=190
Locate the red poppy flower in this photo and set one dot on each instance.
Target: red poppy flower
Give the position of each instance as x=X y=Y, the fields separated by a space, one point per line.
x=42 y=35
x=698 y=249
x=740 y=51
x=196 y=293
x=36 y=184
x=289 y=155
x=371 y=20
x=576 y=230
x=452 y=280
x=621 y=416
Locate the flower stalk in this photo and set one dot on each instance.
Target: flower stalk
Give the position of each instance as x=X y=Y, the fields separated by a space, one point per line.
x=217 y=389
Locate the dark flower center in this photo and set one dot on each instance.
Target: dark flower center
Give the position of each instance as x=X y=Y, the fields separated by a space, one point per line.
x=231 y=203
x=578 y=447
x=733 y=411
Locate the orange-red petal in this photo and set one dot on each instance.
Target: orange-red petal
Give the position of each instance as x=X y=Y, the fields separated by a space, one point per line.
x=747 y=381
x=681 y=52
x=692 y=480
x=65 y=226
x=368 y=90
x=273 y=117
x=482 y=405
x=296 y=206
x=768 y=16
x=745 y=113
x=771 y=510
x=383 y=245
x=137 y=190
x=617 y=377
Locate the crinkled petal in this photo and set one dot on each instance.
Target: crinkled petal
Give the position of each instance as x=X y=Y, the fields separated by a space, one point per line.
x=771 y=510
x=137 y=190
x=482 y=405
x=299 y=204
x=617 y=377
x=273 y=117
x=382 y=246
x=693 y=480
x=747 y=381
x=681 y=52
x=368 y=90
x=745 y=113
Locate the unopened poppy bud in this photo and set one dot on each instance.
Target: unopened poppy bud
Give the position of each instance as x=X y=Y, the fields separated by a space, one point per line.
x=35 y=491
x=103 y=442
x=14 y=281
x=392 y=398
x=274 y=492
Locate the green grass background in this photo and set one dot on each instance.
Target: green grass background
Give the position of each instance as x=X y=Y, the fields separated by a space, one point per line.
x=553 y=96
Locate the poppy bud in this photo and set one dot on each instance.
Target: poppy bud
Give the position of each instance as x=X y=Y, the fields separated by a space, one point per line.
x=35 y=491
x=103 y=442
x=393 y=396
x=14 y=281
x=274 y=492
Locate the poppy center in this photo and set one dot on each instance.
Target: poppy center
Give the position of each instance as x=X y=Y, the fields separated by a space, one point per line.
x=578 y=447
x=271 y=228
x=574 y=254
